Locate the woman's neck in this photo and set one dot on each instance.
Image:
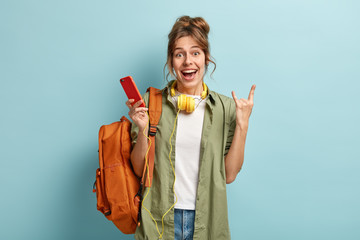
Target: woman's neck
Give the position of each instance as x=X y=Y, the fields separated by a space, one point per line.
x=196 y=91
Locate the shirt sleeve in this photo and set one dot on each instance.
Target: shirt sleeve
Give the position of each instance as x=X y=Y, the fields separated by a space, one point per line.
x=232 y=125
x=134 y=128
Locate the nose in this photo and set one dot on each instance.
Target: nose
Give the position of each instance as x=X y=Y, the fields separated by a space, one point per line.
x=187 y=60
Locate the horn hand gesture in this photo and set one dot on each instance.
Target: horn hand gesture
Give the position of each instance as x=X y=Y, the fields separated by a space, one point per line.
x=244 y=108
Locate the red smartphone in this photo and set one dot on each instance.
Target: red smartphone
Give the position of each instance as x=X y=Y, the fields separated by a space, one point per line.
x=131 y=90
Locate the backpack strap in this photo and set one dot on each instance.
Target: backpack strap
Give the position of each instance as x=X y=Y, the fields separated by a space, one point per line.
x=155 y=108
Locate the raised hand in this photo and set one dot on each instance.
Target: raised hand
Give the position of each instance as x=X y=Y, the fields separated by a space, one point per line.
x=244 y=108
x=138 y=114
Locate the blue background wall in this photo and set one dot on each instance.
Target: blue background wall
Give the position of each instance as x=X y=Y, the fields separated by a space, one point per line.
x=60 y=64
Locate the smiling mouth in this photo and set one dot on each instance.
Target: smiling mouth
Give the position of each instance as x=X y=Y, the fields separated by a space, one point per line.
x=189 y=74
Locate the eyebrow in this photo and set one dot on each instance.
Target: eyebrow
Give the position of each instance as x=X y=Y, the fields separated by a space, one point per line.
x=182 y=48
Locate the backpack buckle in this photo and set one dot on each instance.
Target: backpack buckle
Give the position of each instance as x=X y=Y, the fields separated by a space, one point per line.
x=153 y=130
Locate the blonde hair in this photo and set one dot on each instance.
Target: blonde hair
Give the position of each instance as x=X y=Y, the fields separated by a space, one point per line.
x=195 y=27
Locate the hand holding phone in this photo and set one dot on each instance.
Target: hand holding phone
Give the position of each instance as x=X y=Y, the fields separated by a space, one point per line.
x=131 y=90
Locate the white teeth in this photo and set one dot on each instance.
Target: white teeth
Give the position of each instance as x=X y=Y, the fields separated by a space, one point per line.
x=189 y=71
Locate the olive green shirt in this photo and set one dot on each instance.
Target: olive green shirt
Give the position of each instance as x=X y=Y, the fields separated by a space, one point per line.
x=211 y=213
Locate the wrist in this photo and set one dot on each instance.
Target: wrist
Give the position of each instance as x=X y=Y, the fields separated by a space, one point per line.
x=243 y=126
x=240 y=132
x=143 y=130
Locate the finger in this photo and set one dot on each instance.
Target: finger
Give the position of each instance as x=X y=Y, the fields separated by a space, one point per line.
x=140 y=116
x=138 y=103
x=134 y=111
x=140 y=110
x=236 y=100
x=233 y=95
x=251 y=94
x=243 y=100
x=129 y=102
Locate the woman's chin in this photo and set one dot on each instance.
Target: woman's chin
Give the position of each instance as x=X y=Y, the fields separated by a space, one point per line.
x=189 y=86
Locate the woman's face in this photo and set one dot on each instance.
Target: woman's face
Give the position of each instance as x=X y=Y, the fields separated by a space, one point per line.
x=189 y=65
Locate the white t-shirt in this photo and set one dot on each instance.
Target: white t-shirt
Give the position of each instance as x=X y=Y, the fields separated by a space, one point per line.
x=187 y=153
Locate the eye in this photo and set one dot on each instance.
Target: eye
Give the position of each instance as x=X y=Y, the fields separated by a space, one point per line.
x=196 y=53
x=178 y=55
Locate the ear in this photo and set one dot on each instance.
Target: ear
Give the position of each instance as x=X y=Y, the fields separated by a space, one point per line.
x=170 y=68
x=206 y=66
x=172 y=72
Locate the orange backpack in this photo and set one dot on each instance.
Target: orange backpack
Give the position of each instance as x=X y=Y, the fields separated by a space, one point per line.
x=118 y=189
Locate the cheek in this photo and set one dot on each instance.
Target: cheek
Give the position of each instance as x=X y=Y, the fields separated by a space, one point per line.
x=175 y=65
x=202 y=64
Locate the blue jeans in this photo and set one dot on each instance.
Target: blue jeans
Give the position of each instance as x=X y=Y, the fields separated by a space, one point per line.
x=184 y=224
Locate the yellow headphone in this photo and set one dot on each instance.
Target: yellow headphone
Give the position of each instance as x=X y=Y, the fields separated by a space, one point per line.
x=187 y=103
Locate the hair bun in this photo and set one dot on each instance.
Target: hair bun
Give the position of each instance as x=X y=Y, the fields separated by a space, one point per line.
x=198 y=22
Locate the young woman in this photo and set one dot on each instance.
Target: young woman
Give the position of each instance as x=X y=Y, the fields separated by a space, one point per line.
x=199 y=144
